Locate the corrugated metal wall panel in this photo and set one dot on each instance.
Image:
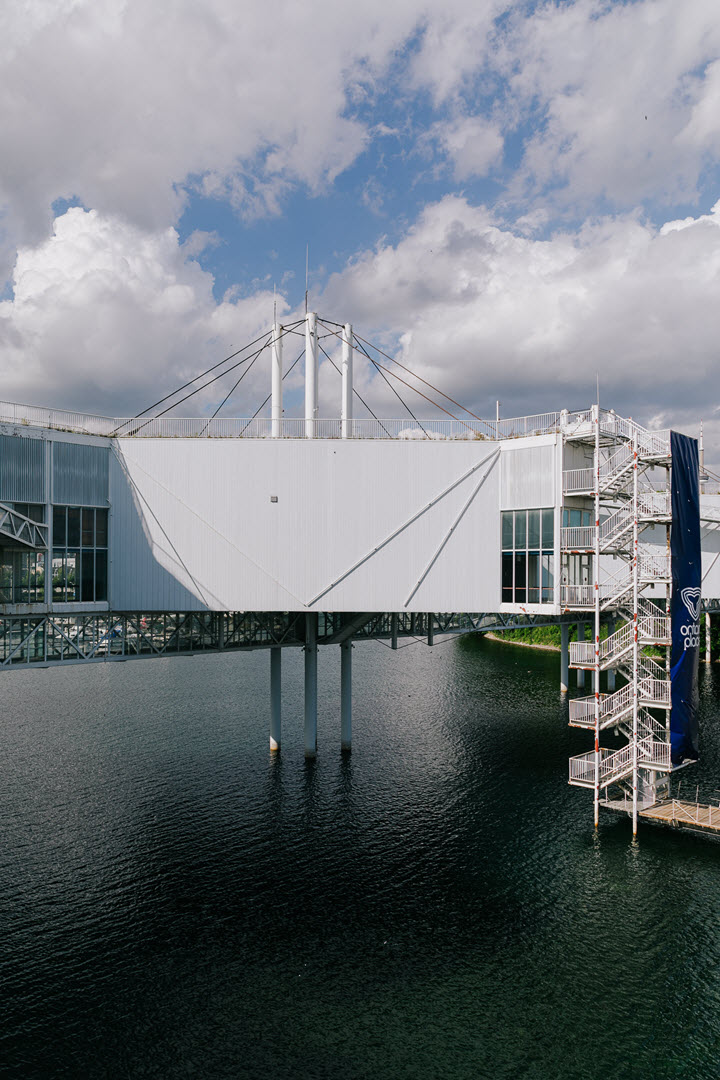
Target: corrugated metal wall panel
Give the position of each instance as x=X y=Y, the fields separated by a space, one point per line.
x=80 y=474
x=528 y=476
x=214 y=539
x=22 y=469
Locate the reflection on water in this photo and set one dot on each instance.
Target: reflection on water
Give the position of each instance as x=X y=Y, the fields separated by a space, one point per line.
x=177 y=901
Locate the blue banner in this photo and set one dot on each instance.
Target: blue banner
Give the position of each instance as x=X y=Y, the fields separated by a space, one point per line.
x=686 y=593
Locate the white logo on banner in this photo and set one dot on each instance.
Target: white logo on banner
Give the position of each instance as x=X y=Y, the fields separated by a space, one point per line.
x=691 y=600
x=691 y=632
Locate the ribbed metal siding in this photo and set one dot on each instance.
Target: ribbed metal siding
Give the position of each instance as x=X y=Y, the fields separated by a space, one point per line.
x=80 y=474
x=22 y=469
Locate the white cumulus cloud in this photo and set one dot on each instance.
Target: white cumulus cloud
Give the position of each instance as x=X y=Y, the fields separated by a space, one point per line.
x=108 y=317
x=485 y=313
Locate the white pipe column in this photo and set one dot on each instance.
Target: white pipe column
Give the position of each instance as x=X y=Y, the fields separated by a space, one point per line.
x=346 y=410
x=276 y=363
x=346 y=695
x=580 y=671
x=611 y=671
x=564 y=656
x=311 y=653
x=636 y=649
x=275 y=698
x=707 y=637
x=311 y=375
x=596 y=627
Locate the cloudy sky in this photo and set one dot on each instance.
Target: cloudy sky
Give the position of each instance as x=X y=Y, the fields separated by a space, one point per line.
x=510 y=197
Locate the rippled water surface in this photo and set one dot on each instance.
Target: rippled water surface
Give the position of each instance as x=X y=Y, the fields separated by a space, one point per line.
x=176 y=903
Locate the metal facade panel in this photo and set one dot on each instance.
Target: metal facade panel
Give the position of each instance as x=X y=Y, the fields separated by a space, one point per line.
x=528 y=475
x=193 y=525
x=22 y=469
x=80 y=474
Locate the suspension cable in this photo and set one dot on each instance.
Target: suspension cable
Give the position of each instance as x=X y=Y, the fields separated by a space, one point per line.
x=359 y=343
x=285 y=375
x=207 y=372
x=397 y=395
x=356 y=392
x=414 y=389
x=419 y=378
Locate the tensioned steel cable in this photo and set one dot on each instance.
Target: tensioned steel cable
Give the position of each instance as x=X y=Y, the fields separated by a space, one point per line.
x=414 y=389
x=397 y=395
x=247 y=369
x=202 y=374
x=149 y=420
x=420 y=378
x=358 y=342
x=297 y=359
x=356 y=392
x=242 y=376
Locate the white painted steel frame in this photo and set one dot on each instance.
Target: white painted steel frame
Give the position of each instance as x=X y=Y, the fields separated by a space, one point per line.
x=618 y=474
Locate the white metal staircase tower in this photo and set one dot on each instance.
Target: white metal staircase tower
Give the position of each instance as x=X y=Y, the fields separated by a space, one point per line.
x=625 y=503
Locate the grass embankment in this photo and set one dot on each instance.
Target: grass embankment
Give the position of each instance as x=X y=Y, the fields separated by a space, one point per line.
x=548 y=637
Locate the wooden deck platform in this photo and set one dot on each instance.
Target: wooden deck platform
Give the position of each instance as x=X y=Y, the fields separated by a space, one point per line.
x=675 y=814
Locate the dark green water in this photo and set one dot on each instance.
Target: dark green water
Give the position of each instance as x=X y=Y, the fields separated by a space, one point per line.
x=177 y=904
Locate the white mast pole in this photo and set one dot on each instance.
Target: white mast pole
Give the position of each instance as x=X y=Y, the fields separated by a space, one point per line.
x=311 y=375
x=276 y=363
x=596 y=800
x=346 y=414
x=636 y=651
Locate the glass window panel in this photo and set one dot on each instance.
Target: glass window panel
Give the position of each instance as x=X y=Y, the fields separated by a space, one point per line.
x=58 y=576
x=507 y=577
x=39 y=583
x=547 y=579
x=36 y=511
x=87 y=577
x=19 y=593
x=565 y=518
x=520 y=528
x=520 y=577
x=548 y=529
x=575 y=519
x=73 y=526
x=6 y=577
x=533 y=535
x=88 y=528
x=101 y=528
x=101 y=575
x=59 y=526
x=585 y=569
x=587 y=517
x=72 y=576
x=507 y=529
x=534 y=577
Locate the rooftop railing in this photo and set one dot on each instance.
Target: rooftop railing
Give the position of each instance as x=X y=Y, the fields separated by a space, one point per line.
x=171 y=427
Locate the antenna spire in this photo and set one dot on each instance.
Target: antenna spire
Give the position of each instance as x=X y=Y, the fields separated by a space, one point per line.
x=307 y=258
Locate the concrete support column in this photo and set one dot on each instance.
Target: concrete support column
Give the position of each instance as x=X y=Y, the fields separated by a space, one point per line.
x=276 y=363
x=275 y=698
x=346 y=411
x=393 y=630
x=707 y=637
x=564 y=656
x=346 y=695
x=580 y=672
x=430 y=629
x=311 y=653
x=311 y=375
